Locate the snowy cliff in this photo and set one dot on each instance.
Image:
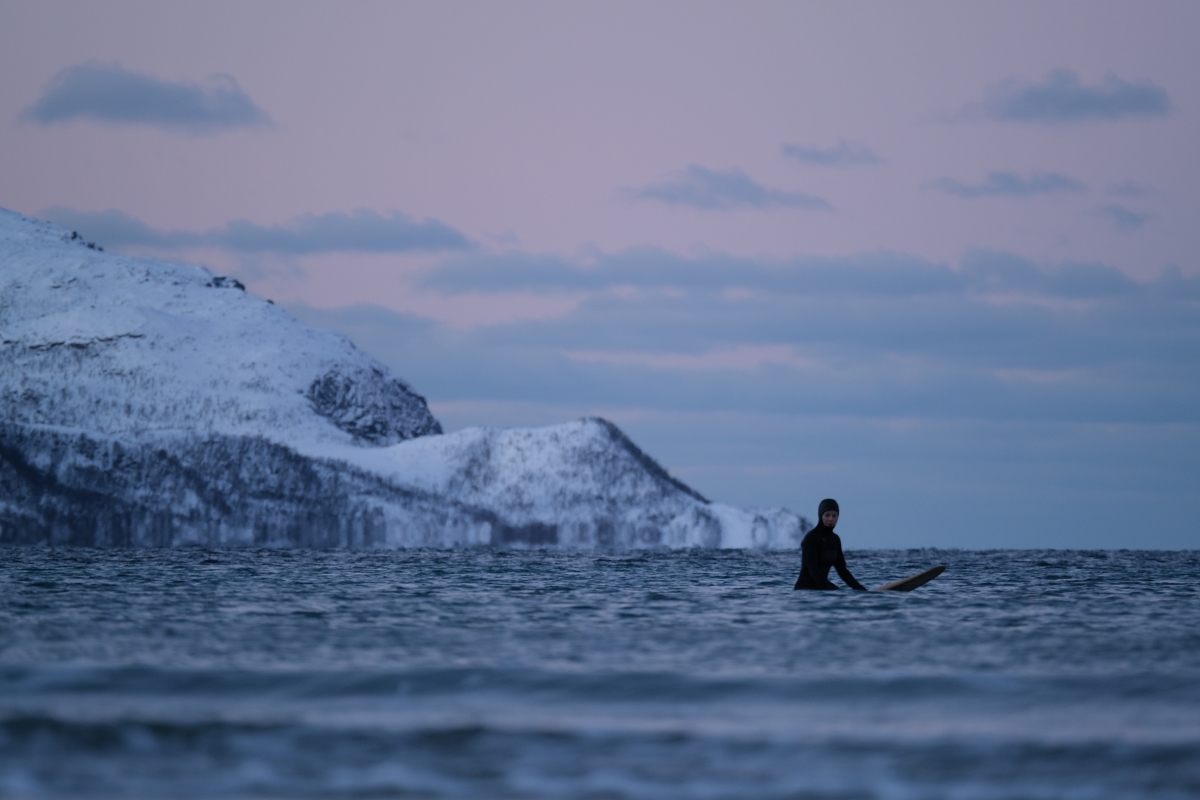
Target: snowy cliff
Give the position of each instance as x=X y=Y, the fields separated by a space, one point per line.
x=147 y=403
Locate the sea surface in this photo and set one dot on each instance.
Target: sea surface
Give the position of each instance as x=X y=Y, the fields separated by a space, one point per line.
x=541 y=674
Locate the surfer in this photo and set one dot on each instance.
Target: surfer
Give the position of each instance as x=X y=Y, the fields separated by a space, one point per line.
x=822 y=549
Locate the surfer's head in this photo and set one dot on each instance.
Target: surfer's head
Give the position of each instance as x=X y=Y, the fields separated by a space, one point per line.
x=828 y=512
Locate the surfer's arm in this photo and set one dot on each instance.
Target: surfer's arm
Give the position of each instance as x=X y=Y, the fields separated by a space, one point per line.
x=844 y=572
x=845 y=575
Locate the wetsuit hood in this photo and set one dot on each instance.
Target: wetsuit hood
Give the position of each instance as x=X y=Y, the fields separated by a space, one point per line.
x=828 y=504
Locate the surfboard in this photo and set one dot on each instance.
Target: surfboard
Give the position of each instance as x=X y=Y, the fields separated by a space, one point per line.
x=912 y=581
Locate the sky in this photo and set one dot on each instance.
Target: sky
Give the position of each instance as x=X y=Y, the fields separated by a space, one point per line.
x=937 y=260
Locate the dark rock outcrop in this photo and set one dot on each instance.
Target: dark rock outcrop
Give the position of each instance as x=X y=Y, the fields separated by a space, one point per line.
x=371 y=406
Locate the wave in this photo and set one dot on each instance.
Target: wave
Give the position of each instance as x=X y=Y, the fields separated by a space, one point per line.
x=567 y=756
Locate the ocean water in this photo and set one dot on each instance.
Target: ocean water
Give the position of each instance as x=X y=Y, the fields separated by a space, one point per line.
x=541 y=674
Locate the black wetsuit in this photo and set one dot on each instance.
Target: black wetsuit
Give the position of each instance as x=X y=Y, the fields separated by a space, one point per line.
x=820 y=550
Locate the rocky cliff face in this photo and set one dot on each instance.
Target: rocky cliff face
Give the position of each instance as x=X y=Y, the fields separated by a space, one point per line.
x=145 y=403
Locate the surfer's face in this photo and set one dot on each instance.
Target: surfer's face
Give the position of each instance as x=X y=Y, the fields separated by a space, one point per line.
x=829 y=519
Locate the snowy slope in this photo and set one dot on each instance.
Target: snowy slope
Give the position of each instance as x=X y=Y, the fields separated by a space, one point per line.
x=134 y=347
x=147 y=403
x=582 y=484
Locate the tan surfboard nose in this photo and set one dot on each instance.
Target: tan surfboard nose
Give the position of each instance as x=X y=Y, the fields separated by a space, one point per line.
x=912 y=581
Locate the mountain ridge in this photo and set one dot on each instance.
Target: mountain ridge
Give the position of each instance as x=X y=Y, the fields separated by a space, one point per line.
x=146 y=403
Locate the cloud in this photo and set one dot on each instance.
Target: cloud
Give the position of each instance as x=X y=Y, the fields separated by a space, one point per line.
x=987 y=272
x=362 y=231
x=1063 y=98
x=652 y=269
x=883 y=275
x=1010 y=184
x=1122 y=217
x=709 y=190
x=110 y=93
x=1130 y=189
x=845 y=154
x=114 y=228
x=994 y=337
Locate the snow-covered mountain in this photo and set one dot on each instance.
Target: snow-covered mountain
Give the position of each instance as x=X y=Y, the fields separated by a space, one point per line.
x=148 y=403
